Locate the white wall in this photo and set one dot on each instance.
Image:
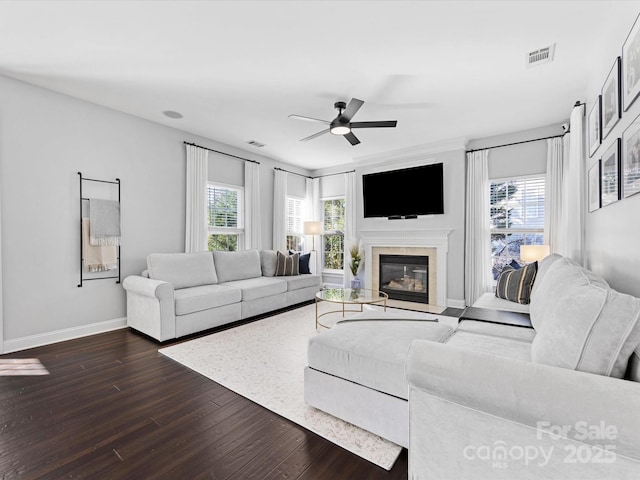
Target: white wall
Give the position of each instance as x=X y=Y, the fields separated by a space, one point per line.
x=45 y=139
x=612 y=232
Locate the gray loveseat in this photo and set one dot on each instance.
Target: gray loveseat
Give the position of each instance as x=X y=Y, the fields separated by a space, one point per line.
x=185 y=293
x=487 y=401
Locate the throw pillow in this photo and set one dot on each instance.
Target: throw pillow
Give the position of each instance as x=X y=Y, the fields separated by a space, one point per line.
x=515 y=265
x=304 y=262
x=516 y=285
x=587 y=325
x=287 y=265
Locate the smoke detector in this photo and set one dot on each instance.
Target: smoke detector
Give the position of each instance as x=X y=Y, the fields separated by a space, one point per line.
x=541 y=56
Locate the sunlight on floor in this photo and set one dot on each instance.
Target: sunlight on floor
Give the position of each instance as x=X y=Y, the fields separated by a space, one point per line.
x=12 y=367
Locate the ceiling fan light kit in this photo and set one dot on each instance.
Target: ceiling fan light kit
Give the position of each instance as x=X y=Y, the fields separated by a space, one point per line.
x=342 y=125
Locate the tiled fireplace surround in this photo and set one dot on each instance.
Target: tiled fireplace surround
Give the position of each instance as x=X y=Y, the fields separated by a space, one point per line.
x=432 y=243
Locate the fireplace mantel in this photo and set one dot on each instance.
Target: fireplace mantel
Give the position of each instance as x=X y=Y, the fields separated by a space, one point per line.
x=437 y=239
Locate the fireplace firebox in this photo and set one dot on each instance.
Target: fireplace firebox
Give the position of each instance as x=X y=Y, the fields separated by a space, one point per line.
x=405 y=277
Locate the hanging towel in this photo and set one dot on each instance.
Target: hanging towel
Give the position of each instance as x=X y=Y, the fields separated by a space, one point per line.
x=104 y=216
x=97 y=258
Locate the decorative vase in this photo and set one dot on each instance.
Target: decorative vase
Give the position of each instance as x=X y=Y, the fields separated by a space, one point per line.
x=355 y=282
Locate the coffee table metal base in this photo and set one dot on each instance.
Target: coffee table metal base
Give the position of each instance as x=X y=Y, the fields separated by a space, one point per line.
x=346 y=297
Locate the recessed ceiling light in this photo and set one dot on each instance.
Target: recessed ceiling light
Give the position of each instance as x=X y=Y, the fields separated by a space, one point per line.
x=172 y=114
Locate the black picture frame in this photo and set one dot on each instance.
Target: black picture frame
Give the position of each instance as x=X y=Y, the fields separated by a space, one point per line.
x=611 y=101
x=594 y=187
x=594 y=132
x=631 y=66
x=610 y=191
x=630 y=159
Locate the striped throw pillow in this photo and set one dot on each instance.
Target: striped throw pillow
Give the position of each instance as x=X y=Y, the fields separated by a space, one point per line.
x=287 y=265
x=516 y=285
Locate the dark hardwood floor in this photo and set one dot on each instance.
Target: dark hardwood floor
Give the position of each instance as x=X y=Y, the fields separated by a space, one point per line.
x=112 y=407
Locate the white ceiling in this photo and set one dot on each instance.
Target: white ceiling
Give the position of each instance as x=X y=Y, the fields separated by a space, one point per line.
x=237 y=69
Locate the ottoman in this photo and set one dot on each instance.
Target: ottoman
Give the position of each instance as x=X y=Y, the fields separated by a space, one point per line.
x=356 y=370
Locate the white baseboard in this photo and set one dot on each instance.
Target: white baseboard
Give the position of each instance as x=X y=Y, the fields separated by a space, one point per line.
x=48 y=338
x=455 y=303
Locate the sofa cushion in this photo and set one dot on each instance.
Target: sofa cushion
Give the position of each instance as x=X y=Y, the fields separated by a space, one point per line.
x=232 y=266
x=552 y=283
x=515 y=285
x=196 y=299
x=587 y=325
x=372 y=353
x=268 y=262
x=182 y=270
x=543 y=266
x=302 y=281
x=255 y=288
x=488 y=342
x=287 y=264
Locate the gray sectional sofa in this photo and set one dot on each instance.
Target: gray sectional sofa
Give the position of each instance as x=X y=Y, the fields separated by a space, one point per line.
x=184 y=293
x=493 y=401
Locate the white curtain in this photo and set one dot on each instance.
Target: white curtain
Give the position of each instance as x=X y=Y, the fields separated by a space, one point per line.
x=349 y=223
x=477 y=244
x=196 y=211
x=555 y=231
x=280 y=210
x=313 y=213
x=573 y=214
x=252 y=223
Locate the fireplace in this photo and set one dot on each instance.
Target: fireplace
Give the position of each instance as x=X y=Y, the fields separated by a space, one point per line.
x=405 y=277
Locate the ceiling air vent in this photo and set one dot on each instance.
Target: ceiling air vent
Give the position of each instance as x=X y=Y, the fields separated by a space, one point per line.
x=541 y=56
x=256 y=144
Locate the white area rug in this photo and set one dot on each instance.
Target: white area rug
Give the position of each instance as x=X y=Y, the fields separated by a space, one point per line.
x=264 y=362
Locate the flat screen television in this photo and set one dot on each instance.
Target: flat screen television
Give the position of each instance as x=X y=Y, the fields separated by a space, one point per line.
x=404 y=193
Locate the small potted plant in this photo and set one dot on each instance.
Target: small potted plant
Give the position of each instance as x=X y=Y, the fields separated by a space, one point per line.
x=354 y=266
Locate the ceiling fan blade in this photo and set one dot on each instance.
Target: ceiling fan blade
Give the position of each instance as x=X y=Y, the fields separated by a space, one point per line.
x=386 y=123
x=353 y=140
x=351 y=110
x=311 y=137
x=309 y=119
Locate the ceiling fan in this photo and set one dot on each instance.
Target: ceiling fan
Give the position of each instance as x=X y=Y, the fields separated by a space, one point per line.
x=342 y=124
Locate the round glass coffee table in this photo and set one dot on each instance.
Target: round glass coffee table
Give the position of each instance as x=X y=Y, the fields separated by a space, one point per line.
x=348 y=296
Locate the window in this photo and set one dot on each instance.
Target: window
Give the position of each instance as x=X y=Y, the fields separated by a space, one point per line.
x=517 y=218
x=333 y=238
x=226 y=223
x=295 y=207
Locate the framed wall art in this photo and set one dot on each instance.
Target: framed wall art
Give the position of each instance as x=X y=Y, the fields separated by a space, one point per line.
x=611 y=111
x=594 y=187
x=630 y=163
x=631 y=66
x=610 y=175
x=593 y=127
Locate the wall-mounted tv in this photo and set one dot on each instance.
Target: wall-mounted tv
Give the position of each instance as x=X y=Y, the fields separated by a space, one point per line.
x=404 y=193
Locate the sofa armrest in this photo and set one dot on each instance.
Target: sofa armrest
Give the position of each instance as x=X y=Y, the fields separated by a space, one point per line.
x=506 y=401
x=148 y=287
x=150 y=307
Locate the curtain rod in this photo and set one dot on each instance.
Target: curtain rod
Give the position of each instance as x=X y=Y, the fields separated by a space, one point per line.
x=515 y=143
x=337 y=173
x=294 y=173
x=222 y=153
x=308 y=176
x=577 y=104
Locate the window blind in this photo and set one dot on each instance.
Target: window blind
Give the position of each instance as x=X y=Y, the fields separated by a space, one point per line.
x=517 y=204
